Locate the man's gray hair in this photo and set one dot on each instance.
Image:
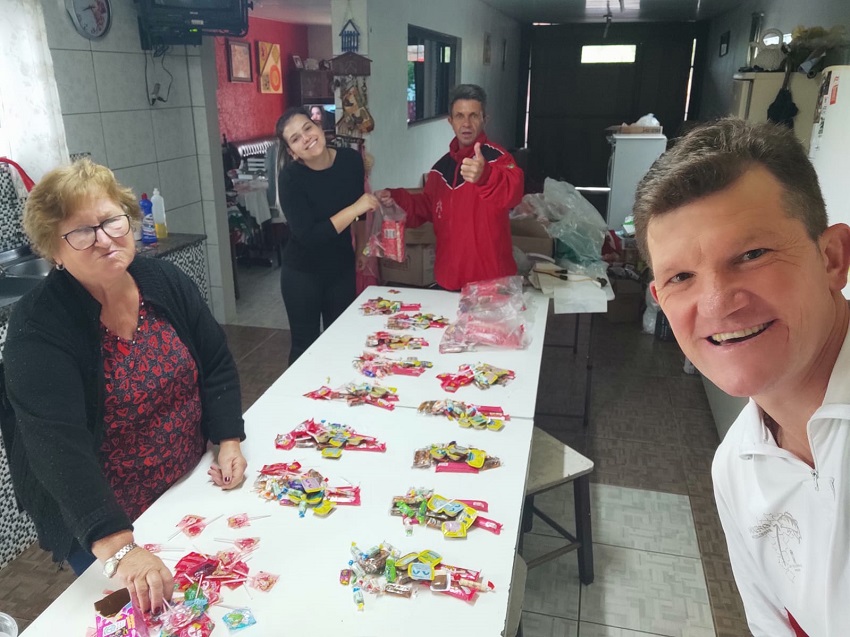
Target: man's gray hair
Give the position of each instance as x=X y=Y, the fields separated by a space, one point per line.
x=468 y=92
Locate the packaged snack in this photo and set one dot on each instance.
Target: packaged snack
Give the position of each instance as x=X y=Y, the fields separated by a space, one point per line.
x=238 y=619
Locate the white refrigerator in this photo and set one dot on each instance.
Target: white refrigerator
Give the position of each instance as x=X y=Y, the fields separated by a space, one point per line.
x=829 y=148
x=631 y=157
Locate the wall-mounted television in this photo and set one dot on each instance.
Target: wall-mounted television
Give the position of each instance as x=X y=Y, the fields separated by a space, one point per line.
x=165 y=22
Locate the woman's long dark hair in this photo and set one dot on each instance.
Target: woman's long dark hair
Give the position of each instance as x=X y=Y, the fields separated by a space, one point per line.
x=284 y=158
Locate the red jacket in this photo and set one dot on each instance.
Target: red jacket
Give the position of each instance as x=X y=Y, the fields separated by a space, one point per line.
x=470 y=220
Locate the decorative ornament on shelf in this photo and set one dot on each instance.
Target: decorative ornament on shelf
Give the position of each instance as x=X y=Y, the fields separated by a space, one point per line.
x=350 y=36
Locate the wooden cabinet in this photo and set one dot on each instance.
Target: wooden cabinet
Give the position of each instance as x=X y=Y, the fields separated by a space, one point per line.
x=313 y=87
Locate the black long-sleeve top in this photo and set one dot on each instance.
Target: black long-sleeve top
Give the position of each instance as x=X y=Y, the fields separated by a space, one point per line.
x=55 y=386
x=309 y=199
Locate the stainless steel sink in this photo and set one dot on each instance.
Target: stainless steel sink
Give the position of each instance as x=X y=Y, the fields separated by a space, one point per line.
x=37 y=268
x=12 y=288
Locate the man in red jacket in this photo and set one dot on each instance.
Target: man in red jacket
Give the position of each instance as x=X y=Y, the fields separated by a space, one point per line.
x=467 y=196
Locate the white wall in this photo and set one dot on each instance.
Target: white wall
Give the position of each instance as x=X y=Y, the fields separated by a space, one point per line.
x=171 y=145
x=320 y=42
x=781 y=14
x=402 y=154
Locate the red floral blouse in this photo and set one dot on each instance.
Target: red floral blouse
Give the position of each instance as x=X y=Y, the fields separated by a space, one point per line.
x=152 y=414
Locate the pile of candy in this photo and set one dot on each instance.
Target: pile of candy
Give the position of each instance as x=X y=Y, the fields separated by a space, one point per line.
x=376 y=366
x=482 y=375
x=467 y=415
x=290 y=487
x=385 y=306
x=453 y=458
x=329 y=437
x=453 y=517
x=358 y=394
x=383 y=570
x=416 y=321
x=386 y=342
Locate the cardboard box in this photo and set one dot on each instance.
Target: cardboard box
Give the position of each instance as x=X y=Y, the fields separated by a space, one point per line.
x=423 y=235
x=630 y=129
x=417 y=269
x=530 y=236
x=627 y=303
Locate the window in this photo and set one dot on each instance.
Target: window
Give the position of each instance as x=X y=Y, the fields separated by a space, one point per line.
x=431 y=65
x=608 y=54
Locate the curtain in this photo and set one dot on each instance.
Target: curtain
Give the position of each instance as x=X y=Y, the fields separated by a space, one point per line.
x=31 y=127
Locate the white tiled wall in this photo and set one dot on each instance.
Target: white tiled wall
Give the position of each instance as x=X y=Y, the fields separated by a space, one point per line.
x=104 y=90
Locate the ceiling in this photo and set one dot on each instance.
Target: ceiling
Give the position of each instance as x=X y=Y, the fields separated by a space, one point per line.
x=319 y=11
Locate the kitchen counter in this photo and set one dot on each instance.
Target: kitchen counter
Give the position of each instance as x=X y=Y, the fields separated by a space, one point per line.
x=173 y=243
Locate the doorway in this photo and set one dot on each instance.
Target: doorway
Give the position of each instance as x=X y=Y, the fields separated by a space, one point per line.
x=572 y=102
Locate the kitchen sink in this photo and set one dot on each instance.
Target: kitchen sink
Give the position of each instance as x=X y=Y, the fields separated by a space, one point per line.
x=13 y=288
x=37 y=268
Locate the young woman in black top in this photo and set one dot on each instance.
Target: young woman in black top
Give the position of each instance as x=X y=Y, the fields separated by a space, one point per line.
x=322 y=194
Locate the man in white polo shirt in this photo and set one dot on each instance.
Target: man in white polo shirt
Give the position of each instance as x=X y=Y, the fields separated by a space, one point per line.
x=750 y=276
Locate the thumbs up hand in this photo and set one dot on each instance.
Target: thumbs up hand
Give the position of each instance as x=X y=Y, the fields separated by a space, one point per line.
x=472 y=168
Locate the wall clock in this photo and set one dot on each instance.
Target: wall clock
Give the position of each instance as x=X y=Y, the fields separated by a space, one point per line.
x=91 y=18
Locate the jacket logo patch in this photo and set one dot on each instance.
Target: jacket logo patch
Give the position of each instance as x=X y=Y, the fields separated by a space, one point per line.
x=438 y=209
x=783 y=533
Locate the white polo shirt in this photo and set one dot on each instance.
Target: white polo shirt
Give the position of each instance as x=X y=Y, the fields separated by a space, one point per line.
x=788 y=525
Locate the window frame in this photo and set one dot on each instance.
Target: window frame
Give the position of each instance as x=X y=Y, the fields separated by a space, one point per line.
x=434 y=42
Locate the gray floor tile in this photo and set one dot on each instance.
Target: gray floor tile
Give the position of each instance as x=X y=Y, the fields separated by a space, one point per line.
x=641 y=465
x=587 y=629
x=260 y=303
x=536 y=625
x=553 y=587
x=650 y=592
x=646 y=520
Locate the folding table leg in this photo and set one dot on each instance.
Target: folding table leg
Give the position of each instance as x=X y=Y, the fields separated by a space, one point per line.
x=584 y=533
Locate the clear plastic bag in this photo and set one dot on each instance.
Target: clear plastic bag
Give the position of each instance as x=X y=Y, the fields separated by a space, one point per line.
x=491 y=312
x=650 y=314
x=386 y=239
x=570 y=218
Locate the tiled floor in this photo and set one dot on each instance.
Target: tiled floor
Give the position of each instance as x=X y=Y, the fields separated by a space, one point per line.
x=260 y=303
x=660 y=557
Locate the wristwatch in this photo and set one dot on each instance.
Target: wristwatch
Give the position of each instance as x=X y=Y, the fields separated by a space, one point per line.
x=110 y=567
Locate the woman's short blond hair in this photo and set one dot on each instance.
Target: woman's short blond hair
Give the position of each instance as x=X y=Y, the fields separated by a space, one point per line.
x=61 y=192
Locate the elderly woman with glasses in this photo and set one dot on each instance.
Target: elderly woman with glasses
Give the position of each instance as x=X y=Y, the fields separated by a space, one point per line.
x=118 y=376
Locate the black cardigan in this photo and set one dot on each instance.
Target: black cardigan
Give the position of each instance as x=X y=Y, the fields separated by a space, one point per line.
x=54 y=383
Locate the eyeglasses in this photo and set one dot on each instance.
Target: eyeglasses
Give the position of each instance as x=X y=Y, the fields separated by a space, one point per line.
x=85 y=238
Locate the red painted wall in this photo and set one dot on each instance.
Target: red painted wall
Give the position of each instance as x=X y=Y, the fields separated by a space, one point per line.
x=244 y=112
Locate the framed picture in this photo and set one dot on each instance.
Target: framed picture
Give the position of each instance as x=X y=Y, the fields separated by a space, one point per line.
x=724 y=44
x=486 y=48
x=296 y=60
x=239 y=61
x=268 y=55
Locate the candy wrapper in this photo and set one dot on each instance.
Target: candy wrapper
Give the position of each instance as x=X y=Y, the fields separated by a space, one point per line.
x=358 y=394
x=453 y=458
x=238 y=619
x=117 y=617
x=377 y=366
x=305 y=490
x=452 y=516
x=388 y=342
x=387 y=236
x=483 y=376
x=491 y=312
x=466 y=415
x=383 y=570
x=328 y=437
x=419 y=321
x=382 y=306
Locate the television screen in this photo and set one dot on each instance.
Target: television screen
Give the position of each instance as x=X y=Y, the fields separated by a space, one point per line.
x=166 y=22
x=324 y=113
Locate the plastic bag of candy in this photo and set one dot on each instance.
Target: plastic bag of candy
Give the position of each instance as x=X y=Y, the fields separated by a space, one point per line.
x=491 y=312
x=387 y=236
